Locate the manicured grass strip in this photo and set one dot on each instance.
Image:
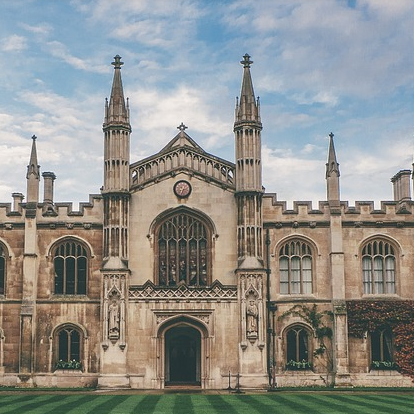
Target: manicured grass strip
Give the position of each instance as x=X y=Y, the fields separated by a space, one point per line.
x=64 y=405
x=295 y=403
x=221 y=405
x=32 y=403
x=183 y=405
x=201 y=404
x=394 y=405
x=349 y=403
x=11 y=399
x=103 y=405
x=127 y=405
x=147 y=404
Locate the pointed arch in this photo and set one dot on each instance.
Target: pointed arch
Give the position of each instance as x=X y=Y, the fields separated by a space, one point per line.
x=183 y=247
x=69 y=347
x=71 y=266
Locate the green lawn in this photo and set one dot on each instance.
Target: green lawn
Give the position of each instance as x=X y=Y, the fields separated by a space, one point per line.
x=279 y=402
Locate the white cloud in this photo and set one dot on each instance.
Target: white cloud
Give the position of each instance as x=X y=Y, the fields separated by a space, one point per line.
x=13 y=43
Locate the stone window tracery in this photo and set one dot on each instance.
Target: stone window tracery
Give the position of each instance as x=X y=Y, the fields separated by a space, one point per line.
x=71 y=267
x=378 y=267
x=295 y=267
x=68 y=348
x=183 y=251
x=297 y=348
x=382 y=353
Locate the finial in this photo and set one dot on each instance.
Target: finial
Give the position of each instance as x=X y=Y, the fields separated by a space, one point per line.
x=117 y=62
x=182 y=127
x=331 y=135
x=34 y=137
x=246 y=62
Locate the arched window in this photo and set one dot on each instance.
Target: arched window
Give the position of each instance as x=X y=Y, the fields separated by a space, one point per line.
x=71 y=267
x=295 y=266
x=68 y=343
x=297 y=348
x=382 y=354
x=183 y=251
x=378 y=267
x=2 y=270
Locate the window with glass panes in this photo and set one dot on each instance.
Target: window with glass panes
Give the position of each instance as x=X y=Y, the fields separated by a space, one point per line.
x=295 y=268
x=183 y=251
x=71 y=263
x=378 y=267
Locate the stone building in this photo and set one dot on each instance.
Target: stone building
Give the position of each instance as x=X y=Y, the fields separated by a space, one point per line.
x=183 y=270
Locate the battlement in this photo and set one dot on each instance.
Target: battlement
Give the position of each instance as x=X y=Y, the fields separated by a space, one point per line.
x=275 y=211
x=91 y=210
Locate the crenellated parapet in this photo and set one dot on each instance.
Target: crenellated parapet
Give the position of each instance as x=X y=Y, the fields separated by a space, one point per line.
x=363 y=213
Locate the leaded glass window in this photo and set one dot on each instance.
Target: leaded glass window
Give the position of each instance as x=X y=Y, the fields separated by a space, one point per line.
x=295 y=267
x=183 y=251
x=378 y=267
x=297 y=347
x=382 y=346
x=71 y=266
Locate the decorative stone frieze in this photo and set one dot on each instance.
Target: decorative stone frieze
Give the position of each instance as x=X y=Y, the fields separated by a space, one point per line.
x=149 y=291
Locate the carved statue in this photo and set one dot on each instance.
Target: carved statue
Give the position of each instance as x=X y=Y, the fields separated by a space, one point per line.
x=252 y=313
x=113 y=310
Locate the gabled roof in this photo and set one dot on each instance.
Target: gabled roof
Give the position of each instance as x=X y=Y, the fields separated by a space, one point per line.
x=182 y=153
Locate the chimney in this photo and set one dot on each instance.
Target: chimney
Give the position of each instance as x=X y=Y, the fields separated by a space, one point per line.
x=401 y=183
x=48 y=178
x=17 y=200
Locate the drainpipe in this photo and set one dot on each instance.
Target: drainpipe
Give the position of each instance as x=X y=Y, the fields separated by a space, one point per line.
x=269 y=329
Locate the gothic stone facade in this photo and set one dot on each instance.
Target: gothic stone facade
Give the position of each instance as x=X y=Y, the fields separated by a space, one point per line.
x=183 y=271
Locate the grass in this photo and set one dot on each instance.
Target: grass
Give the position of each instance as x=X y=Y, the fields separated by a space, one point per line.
x=265 y=403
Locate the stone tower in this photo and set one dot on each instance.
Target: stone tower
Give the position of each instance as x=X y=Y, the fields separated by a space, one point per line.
x=249 y=192
x=116 y=197
x=30 y=258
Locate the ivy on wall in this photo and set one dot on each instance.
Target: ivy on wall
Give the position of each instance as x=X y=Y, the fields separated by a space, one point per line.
x=369 y=316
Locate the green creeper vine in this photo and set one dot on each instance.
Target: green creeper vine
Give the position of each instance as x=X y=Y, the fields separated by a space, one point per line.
x=369 y=316
x=316 y=320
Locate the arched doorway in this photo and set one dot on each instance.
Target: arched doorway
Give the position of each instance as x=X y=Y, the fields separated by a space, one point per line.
x=182 y=356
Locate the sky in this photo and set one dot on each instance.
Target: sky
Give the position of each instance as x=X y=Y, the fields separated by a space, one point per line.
x=320 y=66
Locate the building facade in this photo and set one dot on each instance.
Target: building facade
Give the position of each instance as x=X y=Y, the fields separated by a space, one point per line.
x=184 y=271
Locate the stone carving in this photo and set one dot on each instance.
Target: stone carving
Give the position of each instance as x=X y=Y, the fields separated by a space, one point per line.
x=114 y=310
x=251 y=290
x=216 y=291
x=252 y=314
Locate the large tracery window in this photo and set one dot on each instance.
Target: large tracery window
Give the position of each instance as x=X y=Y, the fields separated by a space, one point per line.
x=295 y=265
x=378 y=267
x=183 y=251
x=71 y=266
x=2 y=270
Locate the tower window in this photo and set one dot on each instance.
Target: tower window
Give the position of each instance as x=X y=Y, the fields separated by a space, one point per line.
x=71 y=264
x=183 y=251
x=295 y=266
x=378 y=267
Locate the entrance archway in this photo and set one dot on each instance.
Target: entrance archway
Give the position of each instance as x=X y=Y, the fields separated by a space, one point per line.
x=182 y=356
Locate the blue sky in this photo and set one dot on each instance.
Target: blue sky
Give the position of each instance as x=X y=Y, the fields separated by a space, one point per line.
x=319 y=66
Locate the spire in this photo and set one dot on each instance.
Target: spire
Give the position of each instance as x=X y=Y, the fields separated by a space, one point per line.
x=332 y=166
x=332 y=177
x=247 y=108
x=117 y=111
x=33 y=175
